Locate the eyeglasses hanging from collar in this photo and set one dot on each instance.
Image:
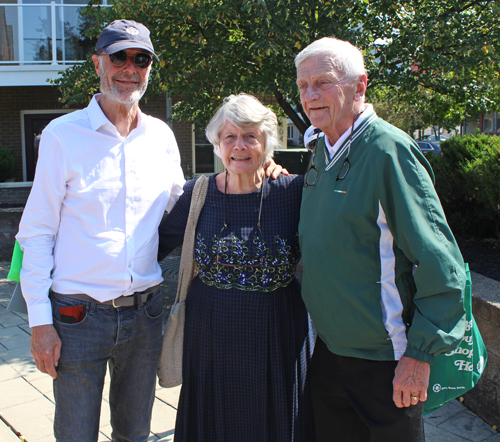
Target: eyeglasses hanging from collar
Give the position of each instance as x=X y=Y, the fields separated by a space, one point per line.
x=310 y=180
x=346 y=160
x=311 y=147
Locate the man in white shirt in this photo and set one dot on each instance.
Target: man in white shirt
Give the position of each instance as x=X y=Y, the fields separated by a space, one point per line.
x=105 y=176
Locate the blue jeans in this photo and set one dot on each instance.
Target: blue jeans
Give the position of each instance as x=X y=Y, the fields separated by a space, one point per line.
x=129 y=339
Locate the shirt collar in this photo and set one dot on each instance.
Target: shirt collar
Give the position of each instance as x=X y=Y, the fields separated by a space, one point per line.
x=98 y=119
x=332 y=149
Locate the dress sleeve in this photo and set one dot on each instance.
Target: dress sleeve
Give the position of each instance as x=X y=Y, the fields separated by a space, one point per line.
x=418 y=224
x=172 y=227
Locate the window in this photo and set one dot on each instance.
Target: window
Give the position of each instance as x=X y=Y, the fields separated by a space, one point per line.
x=204 y=159
x=487 y=126
x=43 y=32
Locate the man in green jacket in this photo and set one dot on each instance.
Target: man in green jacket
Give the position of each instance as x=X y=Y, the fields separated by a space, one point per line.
x=383 y=276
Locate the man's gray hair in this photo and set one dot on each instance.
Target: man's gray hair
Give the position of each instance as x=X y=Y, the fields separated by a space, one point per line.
x=244 y=110
x=346 y=58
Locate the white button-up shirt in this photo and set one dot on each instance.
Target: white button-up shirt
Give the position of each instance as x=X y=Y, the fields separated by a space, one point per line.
x=91 y=222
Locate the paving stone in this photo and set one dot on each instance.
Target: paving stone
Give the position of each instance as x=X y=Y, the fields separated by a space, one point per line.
x=469 y=426
x=105 y=418
x=51 y=438
x=446 y=412
x=103 y=437
x=17 y=391
x=6 y=434
x=163 y=420
x=11 y=320
x=169 y=395
x=106 y=431
x=7 y=372
x=167 y=438
x=44 y=385
x=17 y=341
x=17 y=356
x=28 y=370
x=11 y=332
x=14 y=337
x=33 y=429
x=18 y=415
x=493 y=438
x=436 y=434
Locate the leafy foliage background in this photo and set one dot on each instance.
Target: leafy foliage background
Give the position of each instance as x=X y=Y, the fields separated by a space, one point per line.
x=439 y=58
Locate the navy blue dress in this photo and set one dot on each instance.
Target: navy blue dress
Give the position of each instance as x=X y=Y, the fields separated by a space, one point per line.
x=248 y=338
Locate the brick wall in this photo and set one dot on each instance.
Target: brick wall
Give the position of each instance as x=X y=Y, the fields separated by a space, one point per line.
x=184 y=135
x=157 y=107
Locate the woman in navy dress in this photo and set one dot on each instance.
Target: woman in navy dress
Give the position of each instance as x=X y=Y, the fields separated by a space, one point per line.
x=248 y=338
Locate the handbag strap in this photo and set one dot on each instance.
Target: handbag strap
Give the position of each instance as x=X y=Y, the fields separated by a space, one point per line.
x=187 y=268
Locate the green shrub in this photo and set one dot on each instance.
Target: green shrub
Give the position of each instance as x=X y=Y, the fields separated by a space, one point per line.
x=468 y=183
x=7 y=163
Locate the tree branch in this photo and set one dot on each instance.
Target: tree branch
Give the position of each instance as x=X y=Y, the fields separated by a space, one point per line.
x=289 y=110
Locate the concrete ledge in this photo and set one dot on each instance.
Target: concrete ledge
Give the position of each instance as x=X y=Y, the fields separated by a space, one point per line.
x=14 y=194
x=9 y=226
x=484 y=399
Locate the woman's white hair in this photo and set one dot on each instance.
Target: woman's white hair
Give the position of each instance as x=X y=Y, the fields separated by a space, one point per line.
x=346 y=58
x=244 y=110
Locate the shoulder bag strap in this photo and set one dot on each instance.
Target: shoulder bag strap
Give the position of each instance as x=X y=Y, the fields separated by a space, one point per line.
x=187 y=265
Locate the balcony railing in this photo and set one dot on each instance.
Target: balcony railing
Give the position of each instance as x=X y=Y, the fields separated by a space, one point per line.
x=43 y=34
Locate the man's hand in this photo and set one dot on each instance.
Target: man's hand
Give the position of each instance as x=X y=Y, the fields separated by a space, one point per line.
x=410 y=383
x=271 y=168
x=46 y=348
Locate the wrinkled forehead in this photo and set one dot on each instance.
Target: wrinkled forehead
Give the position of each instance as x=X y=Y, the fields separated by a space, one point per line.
x=320 y=65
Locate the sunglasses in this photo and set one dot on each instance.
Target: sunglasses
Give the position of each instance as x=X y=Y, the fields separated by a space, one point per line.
x=141 y=60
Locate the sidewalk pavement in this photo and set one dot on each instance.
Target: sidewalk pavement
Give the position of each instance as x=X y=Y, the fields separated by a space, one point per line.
x=27 y=402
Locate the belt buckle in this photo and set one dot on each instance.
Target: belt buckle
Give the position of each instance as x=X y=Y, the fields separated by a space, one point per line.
x=113 y=303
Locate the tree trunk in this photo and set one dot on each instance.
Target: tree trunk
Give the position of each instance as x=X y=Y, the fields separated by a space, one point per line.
x=296 y=119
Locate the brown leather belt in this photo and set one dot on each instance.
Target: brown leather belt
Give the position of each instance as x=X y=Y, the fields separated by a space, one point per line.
x=121 y=301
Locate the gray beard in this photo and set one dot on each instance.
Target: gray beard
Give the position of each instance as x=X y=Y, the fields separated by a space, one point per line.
x=123 y=97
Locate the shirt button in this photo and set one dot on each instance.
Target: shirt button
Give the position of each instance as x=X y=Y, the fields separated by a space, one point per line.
x=130 y=265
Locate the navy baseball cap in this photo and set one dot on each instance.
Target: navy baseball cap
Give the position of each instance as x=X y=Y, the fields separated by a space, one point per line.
x=124 y=34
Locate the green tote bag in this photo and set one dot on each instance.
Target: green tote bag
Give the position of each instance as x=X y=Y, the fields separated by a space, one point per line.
x=454 y=373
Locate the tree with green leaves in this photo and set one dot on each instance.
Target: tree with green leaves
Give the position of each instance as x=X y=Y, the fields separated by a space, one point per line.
x=439 y=50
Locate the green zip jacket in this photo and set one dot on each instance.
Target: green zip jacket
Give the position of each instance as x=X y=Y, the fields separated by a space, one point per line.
x=361 y=238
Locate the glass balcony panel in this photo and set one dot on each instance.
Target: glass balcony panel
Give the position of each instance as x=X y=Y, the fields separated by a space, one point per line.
x=37 y=35
x=9 y=29
x=72 y=45
x=26 y=32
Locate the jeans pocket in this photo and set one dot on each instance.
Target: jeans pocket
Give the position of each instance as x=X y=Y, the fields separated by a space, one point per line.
x=62 y=318
x=154 y=308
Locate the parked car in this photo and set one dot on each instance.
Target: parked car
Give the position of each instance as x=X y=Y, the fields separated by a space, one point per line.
x=426 y=146
x=433 y=138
